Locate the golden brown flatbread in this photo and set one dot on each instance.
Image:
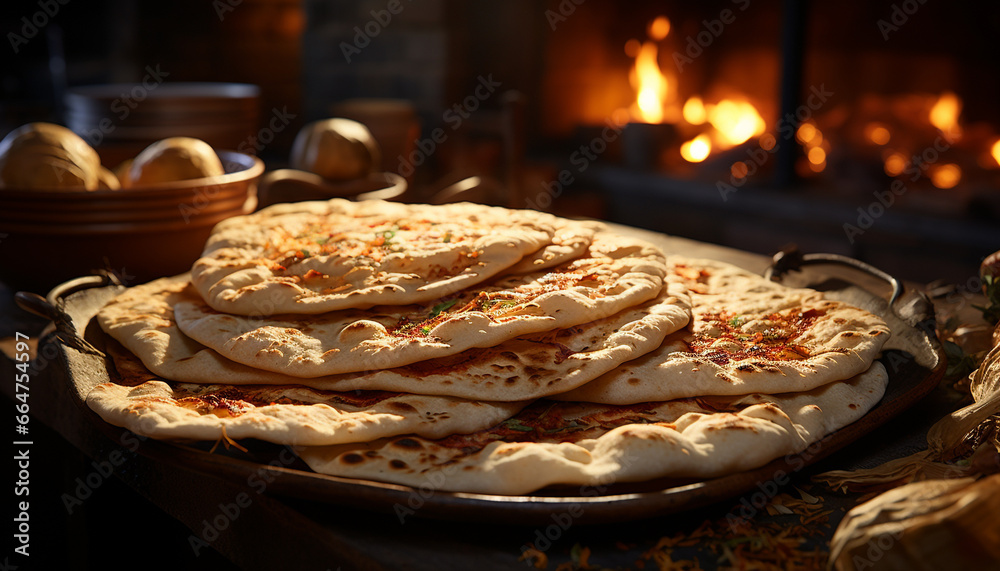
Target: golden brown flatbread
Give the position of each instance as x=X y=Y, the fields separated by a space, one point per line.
x=522 y=368
x=571 y=443
x=616 y=274
x=284 y=414
x=747 y=335
x=315 y=257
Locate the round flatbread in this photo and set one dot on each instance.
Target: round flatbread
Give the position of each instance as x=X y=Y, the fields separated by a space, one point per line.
x=315 y=257
x=290 y=415
x=521 y=368
x=582 y=444
x=746 y=335
x=532 y=366
x=617 y=273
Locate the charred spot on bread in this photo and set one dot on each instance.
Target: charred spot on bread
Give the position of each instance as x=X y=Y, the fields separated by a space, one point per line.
x=407 y=443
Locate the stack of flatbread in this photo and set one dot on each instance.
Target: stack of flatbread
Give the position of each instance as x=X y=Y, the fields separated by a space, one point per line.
x=482 y=349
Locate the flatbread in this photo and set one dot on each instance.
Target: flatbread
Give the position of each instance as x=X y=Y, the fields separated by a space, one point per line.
x=616 y=274
x=522 y=368
x=584 y=444
x=532 y=366
x=315 y=257
x=290 y=415
x=747 y=335
x=570 y=241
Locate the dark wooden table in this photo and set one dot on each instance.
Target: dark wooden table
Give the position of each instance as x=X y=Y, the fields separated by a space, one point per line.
x=101 y=501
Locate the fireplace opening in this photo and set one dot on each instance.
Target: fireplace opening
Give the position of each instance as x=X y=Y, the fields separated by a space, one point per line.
x=868 y=130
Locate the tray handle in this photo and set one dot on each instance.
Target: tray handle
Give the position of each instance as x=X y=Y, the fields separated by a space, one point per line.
x=790 y=258
x=51 y=308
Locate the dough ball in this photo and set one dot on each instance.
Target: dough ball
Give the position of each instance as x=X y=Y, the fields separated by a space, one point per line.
x=336 y=149
x=172 y=160
x=44 y=155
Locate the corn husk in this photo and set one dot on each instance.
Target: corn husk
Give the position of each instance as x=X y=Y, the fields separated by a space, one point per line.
x=986 y=379
x=928 y=525
x=969 y=429
x=946 y=516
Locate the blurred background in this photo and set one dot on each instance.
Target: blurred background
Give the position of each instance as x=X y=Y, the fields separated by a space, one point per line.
x=864 y=128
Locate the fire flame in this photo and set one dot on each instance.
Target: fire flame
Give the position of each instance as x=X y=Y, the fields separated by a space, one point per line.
x=720 y=124
x=945 y=112
x=697 y=149
x=727 y=123
x=650 y=84
x=736 y=121
x=694 y=111
x=946 y=176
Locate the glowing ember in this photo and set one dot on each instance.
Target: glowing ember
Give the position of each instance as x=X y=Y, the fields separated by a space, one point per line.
x=995 y=151
x=946 y=176
x=812 y=139
x=816 y=155
x=817 y=159
x=659 y=28
x=944 y=114
x=736 y=121
x=739 y=169
x=877 y=133
x=894 y=164
x=697 y=149
x=694 y=111
x=806 y=133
